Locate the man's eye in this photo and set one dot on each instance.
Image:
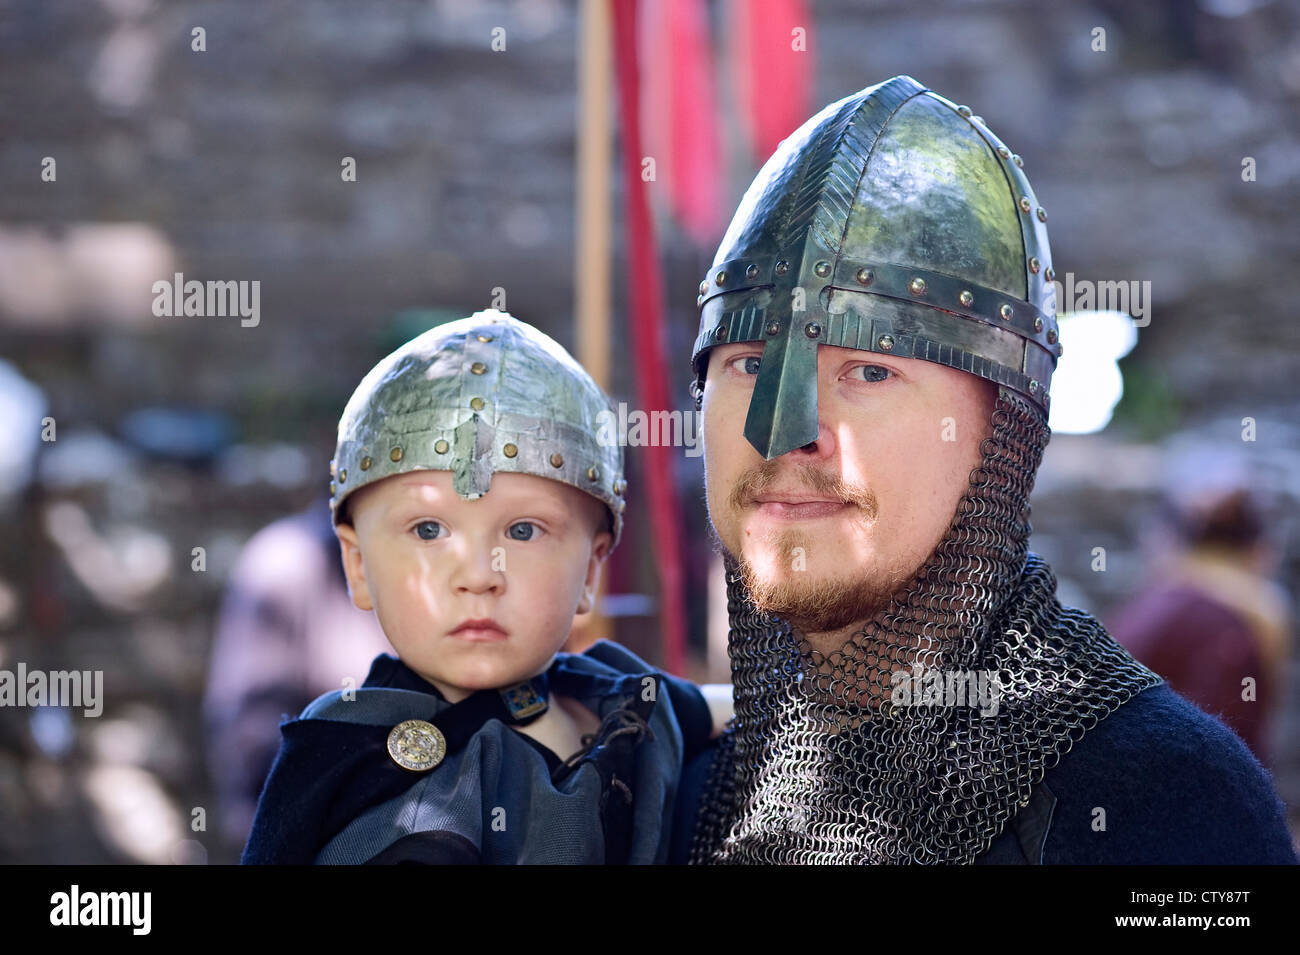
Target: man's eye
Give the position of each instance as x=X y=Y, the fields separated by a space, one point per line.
x=747 y=365
x=521 y=530
x=872 y=372
x=428 y=530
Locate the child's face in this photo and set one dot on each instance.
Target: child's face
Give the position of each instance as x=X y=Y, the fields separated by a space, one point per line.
x=518 y=563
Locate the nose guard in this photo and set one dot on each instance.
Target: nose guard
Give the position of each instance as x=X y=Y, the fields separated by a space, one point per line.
x=783 y=410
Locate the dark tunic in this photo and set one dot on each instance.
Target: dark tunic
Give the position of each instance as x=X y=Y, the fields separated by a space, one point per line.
x=334 y=795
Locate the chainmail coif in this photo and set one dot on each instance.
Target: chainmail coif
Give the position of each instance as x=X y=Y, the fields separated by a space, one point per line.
x=821 y=766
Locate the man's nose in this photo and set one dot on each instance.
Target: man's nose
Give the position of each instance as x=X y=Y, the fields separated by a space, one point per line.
x=822 y=447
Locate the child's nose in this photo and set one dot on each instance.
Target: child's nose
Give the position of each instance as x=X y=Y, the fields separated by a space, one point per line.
x=479 y=570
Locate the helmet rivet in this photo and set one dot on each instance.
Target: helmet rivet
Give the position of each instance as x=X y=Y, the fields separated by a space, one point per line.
x=977 y=119
x=782 y=267
x=510 y=450
x=333 y=467
x=1051 y=336
x=720 y=332
x=593 y=474
x=485 y=338
x=964 y=110
x=966 y=298
x=395 y=454
x=477 y=403
x=751 y=272
x=1017 y=160
x=1033 y=386
x=720 y=278
x=704 y=287
x=865 y=276
x=557 y=460
x=773 y=328
x=365 y=463
x=1042 y=214
x=1004 y=152
x=1038 y=324
x=916 y=286
x=812 y=329
x=1050 y=274
x=1033 y=264
x=1025 y=204
x=885 y=342
x=343 y=476
x=441 y=446
x=333 y=490
x=822 y=269
x=478 y=368
x=1006 y=312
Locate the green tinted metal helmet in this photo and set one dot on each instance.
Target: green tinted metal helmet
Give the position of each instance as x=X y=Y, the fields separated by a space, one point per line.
x=895 y=222
x=484 y=394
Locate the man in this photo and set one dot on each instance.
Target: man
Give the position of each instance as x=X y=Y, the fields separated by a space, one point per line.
x=881 y=318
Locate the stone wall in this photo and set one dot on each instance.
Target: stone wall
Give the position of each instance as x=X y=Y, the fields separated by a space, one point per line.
x=225 y=164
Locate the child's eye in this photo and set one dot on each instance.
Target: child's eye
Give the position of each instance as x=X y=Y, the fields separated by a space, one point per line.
x=748 y=365
x=428 y=530
x=522 y=530
x=871 y=372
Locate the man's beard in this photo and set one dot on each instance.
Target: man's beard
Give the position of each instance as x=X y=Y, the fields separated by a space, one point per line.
x=815 y=605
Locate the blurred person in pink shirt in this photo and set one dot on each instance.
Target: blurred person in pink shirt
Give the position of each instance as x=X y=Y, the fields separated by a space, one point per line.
x=287 y=632
x=1213 y=619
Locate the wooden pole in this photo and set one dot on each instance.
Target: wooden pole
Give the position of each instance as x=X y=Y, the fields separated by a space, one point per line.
x=591 y=280
x=591 y=262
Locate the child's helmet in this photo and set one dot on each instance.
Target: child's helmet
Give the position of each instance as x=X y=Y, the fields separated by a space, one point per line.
x=484 y=394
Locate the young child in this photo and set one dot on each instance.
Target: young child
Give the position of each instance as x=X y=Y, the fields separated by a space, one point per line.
x=474 y=508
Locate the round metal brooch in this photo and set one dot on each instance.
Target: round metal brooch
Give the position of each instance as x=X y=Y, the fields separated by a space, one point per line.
x=417 y=745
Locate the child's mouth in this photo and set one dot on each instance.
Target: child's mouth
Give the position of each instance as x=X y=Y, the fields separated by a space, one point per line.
x=476 y=631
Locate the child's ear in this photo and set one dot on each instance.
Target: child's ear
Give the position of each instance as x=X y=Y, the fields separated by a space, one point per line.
x=350 y=547
x=599 y=551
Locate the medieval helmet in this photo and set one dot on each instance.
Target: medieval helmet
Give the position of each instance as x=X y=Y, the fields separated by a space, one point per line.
x=483 y=394
x=893 y=221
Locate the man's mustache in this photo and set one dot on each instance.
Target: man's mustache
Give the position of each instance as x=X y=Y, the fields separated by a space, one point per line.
x=805 y=477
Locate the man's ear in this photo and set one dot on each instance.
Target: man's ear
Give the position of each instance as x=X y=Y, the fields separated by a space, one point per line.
x=350 y=547
x=599 y=551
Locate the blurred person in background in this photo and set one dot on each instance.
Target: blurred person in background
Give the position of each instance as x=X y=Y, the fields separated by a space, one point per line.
x=1213 y=623
x=286 y=633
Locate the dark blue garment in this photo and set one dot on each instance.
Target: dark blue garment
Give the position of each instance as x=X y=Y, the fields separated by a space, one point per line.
x=334 y=795
x=1177 y=788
